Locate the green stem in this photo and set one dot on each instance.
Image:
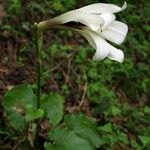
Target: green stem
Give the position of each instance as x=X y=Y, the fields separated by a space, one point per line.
x=38 y=42
x=38 y=64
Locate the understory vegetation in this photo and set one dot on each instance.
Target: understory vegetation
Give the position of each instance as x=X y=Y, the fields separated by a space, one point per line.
x=85 y=104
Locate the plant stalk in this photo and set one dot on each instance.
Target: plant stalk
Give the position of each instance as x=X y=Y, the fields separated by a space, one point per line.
x=38 y=65
x=38 y=43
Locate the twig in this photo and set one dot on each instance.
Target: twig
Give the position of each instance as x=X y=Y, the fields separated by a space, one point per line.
x=20 y=141
x=117 y=83
x=83 y=95
x=5 y=139
x=56 y=67
x=69 y=67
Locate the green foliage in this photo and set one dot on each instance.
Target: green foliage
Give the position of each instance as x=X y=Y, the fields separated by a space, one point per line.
x=111 y=134
x=34 y=6
x=98 y=92
x=114 y=111
x=14 y=7
x=80 y=131
x=62 y=5
x=16 y=120
x=84 y=127
x=66 y=140
x=15 y=102
x=18 y=97
x=147 y=109
x=145 y=140
x=32 y=113
x=53 y=107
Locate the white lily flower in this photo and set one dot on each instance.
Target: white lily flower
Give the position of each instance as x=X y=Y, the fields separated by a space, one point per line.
x=103 y=48
x=98 y=23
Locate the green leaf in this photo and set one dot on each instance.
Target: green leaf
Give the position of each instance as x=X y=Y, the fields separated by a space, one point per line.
x=92 y=73
x=16 y=120
x=66 y=140
x=145 y=140
x=53 y=107
x=123 y=138
x=33 y=113
x=84 y=127
x=106 y=128
x=18 y=97
x=14 y=103
x=115 y=111
x=146 y=109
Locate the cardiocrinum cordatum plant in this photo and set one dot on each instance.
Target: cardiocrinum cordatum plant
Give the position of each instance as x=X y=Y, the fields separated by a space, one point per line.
x=27 y=109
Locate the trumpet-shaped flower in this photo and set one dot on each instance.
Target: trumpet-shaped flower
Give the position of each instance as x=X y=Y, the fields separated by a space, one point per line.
x=97 y=23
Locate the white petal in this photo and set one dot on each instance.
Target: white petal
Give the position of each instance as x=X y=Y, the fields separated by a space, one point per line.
x=91 y=20
x=99 y=8
x=103 y=49
x=116 y=54
x=108 y=19
x=89 y=38
x=87 y=34
x=115 y=32
x=98 y=43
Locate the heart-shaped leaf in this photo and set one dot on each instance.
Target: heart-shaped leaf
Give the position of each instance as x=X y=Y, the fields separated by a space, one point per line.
x=53 y=107
x=84 y=127
x=16 y=120
x=14 y=103
x=19 y=97
x=66 y=140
